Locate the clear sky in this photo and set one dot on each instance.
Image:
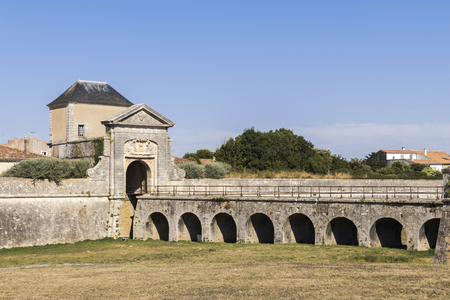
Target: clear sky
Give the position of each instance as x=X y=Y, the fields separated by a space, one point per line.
x=349 y=76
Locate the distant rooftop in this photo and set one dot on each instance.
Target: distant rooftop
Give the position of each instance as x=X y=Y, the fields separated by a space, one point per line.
x=10 y=154
x=91 y=92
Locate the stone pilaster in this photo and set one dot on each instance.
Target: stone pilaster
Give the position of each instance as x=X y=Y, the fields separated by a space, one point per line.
x=70 y=129
x=442 y=251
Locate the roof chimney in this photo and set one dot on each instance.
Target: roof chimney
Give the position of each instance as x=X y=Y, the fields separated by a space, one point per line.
x=16 y=143
x=26 y=146
x=403 y=148
x=425 y=151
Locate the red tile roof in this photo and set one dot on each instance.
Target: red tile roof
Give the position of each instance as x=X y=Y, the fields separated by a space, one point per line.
x=7 y=153
x=205 y=161
x=435 y=157
x=179 y=160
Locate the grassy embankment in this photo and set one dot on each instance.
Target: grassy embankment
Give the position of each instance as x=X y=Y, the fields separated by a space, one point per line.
x=186 y=270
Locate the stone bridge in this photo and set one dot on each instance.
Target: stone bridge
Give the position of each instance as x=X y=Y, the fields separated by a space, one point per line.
x=403 y=214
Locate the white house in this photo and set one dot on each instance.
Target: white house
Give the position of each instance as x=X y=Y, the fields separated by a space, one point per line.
x=437 y=160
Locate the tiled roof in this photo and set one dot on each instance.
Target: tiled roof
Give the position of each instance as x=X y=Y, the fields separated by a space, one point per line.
x=11 y=154
x=406 y=151
x=91 y=92
x=435 y=157
x=205 y=161
x=179 y=160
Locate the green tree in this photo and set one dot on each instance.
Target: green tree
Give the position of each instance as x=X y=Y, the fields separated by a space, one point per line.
x=377 y=165
x=205 y=154
x=274 y=150
x=192 y=156
x=400 y=167
x=338 y=162
x=321 y=162
x=358 y=164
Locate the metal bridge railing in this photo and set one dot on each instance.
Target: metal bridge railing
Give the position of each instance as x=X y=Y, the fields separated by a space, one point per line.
x=386 y=192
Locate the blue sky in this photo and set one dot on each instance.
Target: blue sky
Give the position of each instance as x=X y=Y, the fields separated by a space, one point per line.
x=349 y=76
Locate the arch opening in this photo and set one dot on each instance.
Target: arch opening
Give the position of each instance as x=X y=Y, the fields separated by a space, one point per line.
x=189 y=227
x=298 y=228
x=158 y=227
x=341 y=231
x=428 y=234
x=223 y=228
x=260 y=229
x=136 y=178
x=387 y=232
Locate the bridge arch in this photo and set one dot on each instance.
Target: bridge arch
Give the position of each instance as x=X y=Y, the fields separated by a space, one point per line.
x=223 y=228
x=259 y=229
x=386 y=232
x=298 y=228
x=341 y=231
x=428 y=234
x=158 y=226
x=189 y=227
x=137 y=175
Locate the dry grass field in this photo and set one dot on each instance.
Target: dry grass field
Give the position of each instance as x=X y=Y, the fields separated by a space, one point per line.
x=186 y=270
x=286 y=174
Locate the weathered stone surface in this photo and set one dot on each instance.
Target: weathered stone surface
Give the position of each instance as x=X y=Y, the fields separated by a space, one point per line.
x=249 y=216
x=21 y=187
x=442 y=251
x=40 y=221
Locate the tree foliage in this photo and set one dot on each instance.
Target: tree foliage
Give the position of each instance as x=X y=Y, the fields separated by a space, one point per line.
x=274 y=150
x=200 y=154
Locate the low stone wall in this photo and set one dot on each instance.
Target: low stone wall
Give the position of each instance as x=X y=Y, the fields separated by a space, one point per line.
x=308 y=182
x=305 y=188
x=21 y=187
x=40 y=221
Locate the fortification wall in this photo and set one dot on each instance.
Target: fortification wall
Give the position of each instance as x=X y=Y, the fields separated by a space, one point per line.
x=21 y=187
x=31 y=221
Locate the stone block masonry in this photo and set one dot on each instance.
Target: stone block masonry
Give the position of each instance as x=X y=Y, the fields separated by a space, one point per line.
x=41 y=221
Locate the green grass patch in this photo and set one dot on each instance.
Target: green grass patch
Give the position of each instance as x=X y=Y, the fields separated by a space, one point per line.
x=118 y=251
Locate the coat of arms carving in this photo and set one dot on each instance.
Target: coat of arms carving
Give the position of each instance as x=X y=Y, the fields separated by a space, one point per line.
x=140 y=147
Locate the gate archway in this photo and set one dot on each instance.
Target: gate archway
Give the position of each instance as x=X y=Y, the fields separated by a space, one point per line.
x=137 y=176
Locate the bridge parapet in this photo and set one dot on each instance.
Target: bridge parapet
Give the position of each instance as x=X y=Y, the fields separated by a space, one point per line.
x=415 y=193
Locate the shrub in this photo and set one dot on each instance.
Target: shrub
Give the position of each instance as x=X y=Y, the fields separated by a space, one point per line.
x=386 y=171
x=51 y=169
x=193 y=170
x=217 y=170
x=359 y=164
x=430 y=172
x=400 y=167
x=377 y=165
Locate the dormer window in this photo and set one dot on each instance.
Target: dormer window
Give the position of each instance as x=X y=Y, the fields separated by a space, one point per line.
x=80 y=130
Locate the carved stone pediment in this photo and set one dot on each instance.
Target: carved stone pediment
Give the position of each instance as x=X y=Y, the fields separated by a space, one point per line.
x=139 y=115
x=140 y=147
x=141 y=118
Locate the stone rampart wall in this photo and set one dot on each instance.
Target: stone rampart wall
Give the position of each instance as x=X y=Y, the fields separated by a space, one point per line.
x=21 y=187
x=40 y=221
